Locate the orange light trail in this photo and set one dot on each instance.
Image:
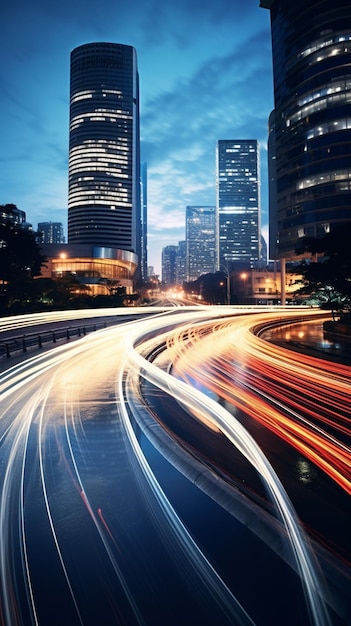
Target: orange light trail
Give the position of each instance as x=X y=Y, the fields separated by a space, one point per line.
x=302 y=399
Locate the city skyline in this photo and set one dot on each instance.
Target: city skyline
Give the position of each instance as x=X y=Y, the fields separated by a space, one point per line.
x=205 y=75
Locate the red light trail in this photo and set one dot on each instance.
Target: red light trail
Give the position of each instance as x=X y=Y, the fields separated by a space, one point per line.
x=302 y=399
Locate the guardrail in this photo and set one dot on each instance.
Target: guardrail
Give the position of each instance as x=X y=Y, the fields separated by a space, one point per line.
x=30 y=341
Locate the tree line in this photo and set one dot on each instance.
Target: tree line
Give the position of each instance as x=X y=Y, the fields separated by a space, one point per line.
x=325 y=269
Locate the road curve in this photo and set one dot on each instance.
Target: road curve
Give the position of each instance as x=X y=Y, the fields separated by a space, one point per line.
x=89 y=532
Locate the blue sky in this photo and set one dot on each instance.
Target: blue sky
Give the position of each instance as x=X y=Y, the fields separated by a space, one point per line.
x=205 y=74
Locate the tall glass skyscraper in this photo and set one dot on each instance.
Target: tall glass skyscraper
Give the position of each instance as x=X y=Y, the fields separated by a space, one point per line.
x=200 y=233
x=238 y=203
x=310 y=128
x=104 y=207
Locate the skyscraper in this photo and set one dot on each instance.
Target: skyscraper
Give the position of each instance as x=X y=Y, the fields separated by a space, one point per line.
x=200 y=233
x=104 y=148
x=238 y=203
x=51 y=232
x=181 y=262
x=143 y=203
x=104 y=212
x=169 y=265
x=310 y=127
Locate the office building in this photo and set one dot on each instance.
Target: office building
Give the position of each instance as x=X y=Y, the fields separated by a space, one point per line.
x=99 y=269
x=104 y=188
x=200 y=233
x=181 y=262
x=51 y=232
x=263 y=286
x=13 y=217
x=169 y=265
x=143 y=202
x=104 y=148
x=310 y=127
x=272 y=190
x=238 y=204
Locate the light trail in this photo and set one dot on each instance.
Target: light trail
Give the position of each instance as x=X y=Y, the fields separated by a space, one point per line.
x=199 y=565
x=296 y=396
x=100 y=527
x=32 y=384
x=53 y=406
x=34 y=319
x=41 y=438
x=198 y=403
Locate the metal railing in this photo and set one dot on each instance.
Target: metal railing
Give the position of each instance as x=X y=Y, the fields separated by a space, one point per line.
x=11 y=346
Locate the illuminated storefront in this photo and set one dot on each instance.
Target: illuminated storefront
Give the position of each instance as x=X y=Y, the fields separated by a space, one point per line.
x=99 y=269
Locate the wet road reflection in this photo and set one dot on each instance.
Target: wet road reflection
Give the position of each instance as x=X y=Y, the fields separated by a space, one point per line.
x=311 y=336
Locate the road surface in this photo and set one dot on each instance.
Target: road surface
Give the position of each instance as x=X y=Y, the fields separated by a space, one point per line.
x=175 y=469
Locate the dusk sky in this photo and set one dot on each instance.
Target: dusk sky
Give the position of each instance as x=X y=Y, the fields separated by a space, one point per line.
x=205 y=74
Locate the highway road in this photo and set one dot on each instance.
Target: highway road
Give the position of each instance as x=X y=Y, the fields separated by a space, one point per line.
x=176 y=467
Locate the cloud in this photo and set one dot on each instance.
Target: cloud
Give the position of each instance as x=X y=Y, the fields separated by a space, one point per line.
x=169 y=21
x=205 y=74
x=224 y=98
x=223 y=95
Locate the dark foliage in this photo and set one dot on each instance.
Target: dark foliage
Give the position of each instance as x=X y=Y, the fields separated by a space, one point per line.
x=19 y=253
x=327 y=274
x=211 y=287
x=20 y=263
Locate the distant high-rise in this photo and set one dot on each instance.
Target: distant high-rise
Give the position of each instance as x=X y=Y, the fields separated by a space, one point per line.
x=104 y=148
x=51 y=232
x=310 y=128
x=11 y=216
x=200 y=233
x=169 y=265
x=238 y=203
x=181 y=262
x=143 y=202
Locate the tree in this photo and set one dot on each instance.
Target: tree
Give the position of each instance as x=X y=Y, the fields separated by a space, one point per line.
x=20 y=262
x=327 y=275
x=212 y=287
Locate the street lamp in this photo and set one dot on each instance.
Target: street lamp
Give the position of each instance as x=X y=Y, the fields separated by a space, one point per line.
x=243 y=276
x=227 y=276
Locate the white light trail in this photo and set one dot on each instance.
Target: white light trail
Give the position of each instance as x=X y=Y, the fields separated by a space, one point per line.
x=44 y=393
x=197 y=402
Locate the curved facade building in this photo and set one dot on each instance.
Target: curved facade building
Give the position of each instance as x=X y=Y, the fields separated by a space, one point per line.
x=95 y=267
x=104 y=148
x=311 y=47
